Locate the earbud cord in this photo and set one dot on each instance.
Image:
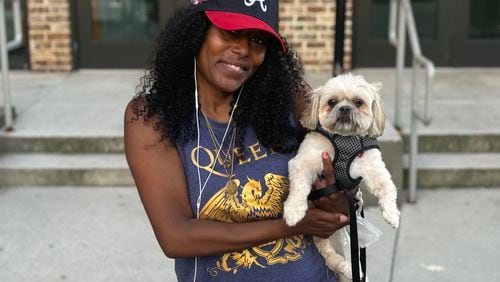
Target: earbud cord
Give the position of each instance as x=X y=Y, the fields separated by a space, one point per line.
x=196 y=106
x=202 y=188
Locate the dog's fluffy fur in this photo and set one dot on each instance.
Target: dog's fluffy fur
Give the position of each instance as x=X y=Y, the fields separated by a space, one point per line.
x=345 y=105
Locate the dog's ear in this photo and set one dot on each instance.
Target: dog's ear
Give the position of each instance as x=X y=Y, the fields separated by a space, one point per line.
x=378 y=124
x=310 y=116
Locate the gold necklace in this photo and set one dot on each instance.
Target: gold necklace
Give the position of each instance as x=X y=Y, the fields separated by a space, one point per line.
x=227 y=155
x=228 y=161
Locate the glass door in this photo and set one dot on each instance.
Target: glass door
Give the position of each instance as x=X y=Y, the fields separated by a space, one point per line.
x=451 y=32
x=120 y=33
x=371 y=20
x=478 y=34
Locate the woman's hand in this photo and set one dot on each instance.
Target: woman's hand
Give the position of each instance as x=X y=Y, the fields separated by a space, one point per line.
x=320 y=223
x=335 y=202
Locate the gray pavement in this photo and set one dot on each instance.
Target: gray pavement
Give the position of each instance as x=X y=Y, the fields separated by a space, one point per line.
x=85 y=103
x=91 y=102
x=450 y=235
x=102 y=234
x=77 y=234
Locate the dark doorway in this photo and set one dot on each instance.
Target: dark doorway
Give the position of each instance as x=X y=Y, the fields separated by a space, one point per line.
x=120 y=33
x=451 y=32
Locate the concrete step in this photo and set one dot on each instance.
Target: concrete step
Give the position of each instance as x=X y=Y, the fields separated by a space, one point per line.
x=10 y=143
x=456 y=143
x=451 y=143
x=456 y=170
x=63 y=169
x=51 y=159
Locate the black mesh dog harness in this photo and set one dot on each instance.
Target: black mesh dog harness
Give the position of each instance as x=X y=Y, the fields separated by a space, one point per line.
x=347 y=148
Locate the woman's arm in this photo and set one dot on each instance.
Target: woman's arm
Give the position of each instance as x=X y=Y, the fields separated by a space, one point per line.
x=161 y=182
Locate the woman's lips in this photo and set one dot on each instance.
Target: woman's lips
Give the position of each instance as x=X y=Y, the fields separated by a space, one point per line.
x=235 y=67
x=233 y=70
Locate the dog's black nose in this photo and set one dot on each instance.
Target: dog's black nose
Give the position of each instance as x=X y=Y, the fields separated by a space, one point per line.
x=345 y=110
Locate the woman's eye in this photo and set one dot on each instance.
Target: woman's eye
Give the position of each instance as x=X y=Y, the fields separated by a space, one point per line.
x=358 y=102
x=231 y=33
x=332 y=103
x=259 y=39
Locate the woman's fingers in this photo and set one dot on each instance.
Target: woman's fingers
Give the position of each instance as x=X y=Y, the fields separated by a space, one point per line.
x=335 y=202
x=335 y=218
x=328 y=170
x=327 y=177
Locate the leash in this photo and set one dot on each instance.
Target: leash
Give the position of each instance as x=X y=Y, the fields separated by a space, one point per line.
x=363 y=252
x=357 y=254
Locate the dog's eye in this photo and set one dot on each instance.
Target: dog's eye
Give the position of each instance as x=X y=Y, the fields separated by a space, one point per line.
x=332 y=103
x=358 y=102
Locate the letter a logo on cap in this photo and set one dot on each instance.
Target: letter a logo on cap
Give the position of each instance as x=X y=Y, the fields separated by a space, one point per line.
x=263 y=6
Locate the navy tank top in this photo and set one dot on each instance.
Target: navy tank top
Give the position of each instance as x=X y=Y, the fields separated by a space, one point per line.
x=262 y=182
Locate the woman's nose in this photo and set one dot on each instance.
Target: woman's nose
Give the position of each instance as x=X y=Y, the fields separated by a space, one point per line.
x=241 y=45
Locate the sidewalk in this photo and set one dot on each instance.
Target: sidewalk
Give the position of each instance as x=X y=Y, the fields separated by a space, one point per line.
x=449 y=235
x=91 y=102
x=102 y=234
x=84 y=103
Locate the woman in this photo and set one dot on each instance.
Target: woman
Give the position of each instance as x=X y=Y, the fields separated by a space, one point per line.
x=208 y=139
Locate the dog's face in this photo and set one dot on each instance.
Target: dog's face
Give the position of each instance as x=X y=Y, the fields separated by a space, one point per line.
x=346 y=105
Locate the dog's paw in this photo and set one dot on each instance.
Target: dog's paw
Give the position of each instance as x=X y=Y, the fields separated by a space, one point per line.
x=344 y=278
x=293 y=212
x=391 y=215
x=345 y=273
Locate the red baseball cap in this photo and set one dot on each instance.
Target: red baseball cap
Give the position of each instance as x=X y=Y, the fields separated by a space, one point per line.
x=243 y=14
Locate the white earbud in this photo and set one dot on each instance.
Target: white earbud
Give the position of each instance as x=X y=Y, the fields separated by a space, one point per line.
x=200 y=186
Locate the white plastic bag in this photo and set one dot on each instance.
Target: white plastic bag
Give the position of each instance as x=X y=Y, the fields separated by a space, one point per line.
x=368 y=233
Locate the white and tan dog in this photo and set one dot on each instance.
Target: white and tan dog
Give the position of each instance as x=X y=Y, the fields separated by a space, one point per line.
x=346 y=105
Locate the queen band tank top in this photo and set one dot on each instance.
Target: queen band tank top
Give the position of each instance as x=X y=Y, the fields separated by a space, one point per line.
x=261 y=178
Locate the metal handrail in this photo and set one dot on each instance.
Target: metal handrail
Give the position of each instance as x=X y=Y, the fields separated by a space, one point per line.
x=407 y=23
x=18 y=32
x=5 y=47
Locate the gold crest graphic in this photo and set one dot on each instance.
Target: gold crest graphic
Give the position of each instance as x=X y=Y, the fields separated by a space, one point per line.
x=251 y=203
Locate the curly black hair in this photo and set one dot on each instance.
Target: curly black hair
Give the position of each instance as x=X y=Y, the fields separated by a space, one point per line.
x=266 y=103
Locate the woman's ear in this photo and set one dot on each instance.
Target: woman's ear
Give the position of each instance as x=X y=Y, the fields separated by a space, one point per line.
x=310 y=117
x=378 y=124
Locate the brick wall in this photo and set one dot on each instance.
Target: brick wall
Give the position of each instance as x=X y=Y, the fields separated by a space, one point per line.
x=309 y=26
x=49 y=32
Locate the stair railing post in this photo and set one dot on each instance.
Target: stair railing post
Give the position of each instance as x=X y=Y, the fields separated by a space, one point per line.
x=400 y=63
x=5 y=47
x=412 y=189
x=403 y=15
x=5 y=69
x=419 y=61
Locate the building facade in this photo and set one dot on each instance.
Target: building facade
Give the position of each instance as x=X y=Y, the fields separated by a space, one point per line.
x=62 y=35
